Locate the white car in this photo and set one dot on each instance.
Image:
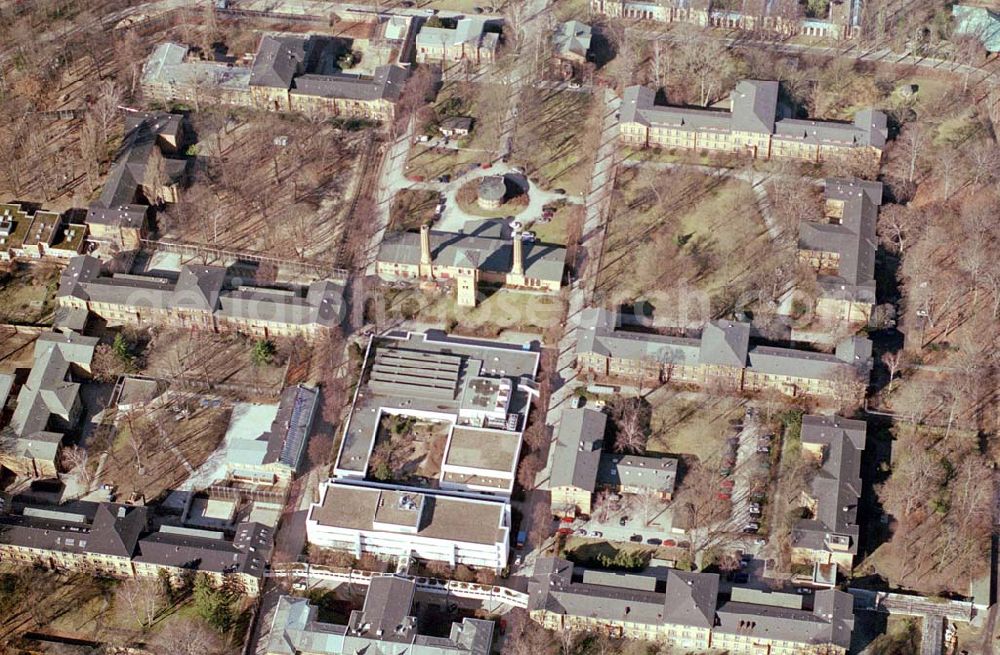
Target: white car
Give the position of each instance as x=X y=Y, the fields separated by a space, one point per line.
x=527 y=236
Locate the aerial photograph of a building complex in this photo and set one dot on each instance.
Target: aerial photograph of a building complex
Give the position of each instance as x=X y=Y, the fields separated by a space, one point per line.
x=499 y=327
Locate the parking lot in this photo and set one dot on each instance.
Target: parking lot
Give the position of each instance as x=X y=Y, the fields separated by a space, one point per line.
x=745 y=470
x=630 y=519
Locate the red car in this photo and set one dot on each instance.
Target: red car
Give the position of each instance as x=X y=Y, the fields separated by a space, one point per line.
x=565 y=531
x=728 y=484
x=723 y=496
x=486 y=164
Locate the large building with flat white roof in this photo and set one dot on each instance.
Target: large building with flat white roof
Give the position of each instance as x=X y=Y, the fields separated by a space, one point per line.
x=476 y=395
x=388 y=521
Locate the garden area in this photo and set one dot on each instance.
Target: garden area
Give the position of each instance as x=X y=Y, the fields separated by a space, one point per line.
x=27 y=293
x=408 y=450
x=684 y=424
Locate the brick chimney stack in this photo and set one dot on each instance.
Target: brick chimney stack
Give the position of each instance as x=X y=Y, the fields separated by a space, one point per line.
x=425 y=251
x=517 y=268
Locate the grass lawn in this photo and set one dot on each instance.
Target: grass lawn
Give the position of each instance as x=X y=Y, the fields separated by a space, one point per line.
x=411 y=208
x=195 y=439
x=454 y=99
x=684 y=232
x=27 y=293
x=691 y=426
x=16 y=350
x=585 y=549
x=556 y=138
x=501 y=310
x=557 y=230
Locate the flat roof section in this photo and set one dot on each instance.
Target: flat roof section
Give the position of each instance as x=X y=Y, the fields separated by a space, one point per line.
x=488 y=450
x=398 y=371
x=443 y=517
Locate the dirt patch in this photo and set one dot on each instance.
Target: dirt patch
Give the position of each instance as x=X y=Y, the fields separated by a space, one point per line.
x=27 y=293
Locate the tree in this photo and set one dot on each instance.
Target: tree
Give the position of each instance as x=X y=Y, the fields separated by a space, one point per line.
x=189 y=637
x=263 y=352
x=75 y=459
x=144 y=598
x=216 y=605
x=895 y=224
x=525 y=637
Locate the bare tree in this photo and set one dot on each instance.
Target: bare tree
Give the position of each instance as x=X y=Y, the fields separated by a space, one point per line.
x=144 y=598
x=189 y=637
x=75 y=459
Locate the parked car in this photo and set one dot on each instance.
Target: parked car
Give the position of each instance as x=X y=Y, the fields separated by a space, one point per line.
x=445 y=178
x=578 y=402
x=752 y=526
x=755 y=509
x=565 y=531
x=653 y=541
x=567 y=519
x=636 y=538
x=581 y=532
x=763 y=449
x=597 y=533
x=803 y=590
x=527 y=236
x=559 y=191
x=574 y=85
x=486 y=164
x=623 y=521
x=518 y=560
x=477 y=10
x=722 y=495
x=741 y=578
x=727 y=484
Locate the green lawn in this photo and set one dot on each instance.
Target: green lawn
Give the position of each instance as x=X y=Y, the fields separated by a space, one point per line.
x=557 y=230
x=556 y=139
x=682 y=232
x=500 y=310
x=683 y=426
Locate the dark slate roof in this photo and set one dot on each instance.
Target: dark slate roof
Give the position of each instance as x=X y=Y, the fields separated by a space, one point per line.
x=198 y=287
x=386 y=84
x=689 y=598
x=386 y=611
x=830 y=622
x=102 y=528
x=598 y=334
x=853 y=238
x=277 y=61
x=836 y=486
x=204 y=550
x=579 y=439
x=117 y=203
x=482 y=250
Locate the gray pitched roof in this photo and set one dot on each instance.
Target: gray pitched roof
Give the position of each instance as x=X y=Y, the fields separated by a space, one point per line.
x=466 y=30
x=384 y=627
x=579 y=439
x=101 y=528
x=724 y=343
x=830 y=622
x=755 y=106
x=597 y=334
x=853 y=238
x=198 y=287
x=277 y=61
x=572 y=37
x=117 y=203
x=206 y=550
x=387 y=83
x=688 y=599
x=754 y=109
x=483 y=251
x=653 y=473
x=836 y=486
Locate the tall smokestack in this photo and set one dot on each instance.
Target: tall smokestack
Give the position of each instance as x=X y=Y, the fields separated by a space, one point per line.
x=517 y=268
x=425 y=269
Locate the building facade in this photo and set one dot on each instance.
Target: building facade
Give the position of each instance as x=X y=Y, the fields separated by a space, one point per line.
x=283 y=77
x=485 y=256
x=753 y=127
x=201 y=298
x=778 y=17
x=685 y=611
x=721 y=358
x=116 y=540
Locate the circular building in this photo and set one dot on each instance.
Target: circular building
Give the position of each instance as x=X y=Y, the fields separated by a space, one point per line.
x=492 y=190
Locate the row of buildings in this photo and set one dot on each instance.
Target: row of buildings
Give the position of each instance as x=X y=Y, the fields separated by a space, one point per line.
x=288 y=74
x=120 y=541
x=687 y=611
x=723 y=357
x=38 y=235
x=753 y=126
x=385 y=624
x=489 y=254
x=475 y=395
x=781 y=17
x=200 y=297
